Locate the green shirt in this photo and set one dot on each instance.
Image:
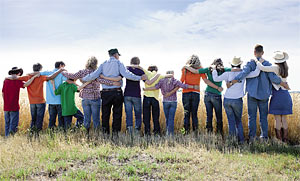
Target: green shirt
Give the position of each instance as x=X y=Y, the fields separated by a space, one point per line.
x=209 y=77
x=67 y=97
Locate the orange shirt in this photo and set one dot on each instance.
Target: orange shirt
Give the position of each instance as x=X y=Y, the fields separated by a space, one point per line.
x=35 y=89
x=190 y=78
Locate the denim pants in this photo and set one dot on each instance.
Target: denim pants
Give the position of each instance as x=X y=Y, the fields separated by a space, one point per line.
x=234 y=111
x=170 y=110
x=68 y=119
x=262 y=105
x=136 y=104
x=151 y=104
x=212 y=102
x=11 y=122
x=112 y=100
x=55 y=110
x=91 y=108
x=37 y=115
x=190 y=102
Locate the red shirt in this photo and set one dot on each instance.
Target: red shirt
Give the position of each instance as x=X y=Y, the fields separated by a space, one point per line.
x=11 y=92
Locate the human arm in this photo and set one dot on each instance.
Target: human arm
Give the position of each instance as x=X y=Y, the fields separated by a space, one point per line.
x=115 y=79
x=219 y=78
x=129 y=75
x=195 y=71
x=31 y=80
x=150 y=88
x=77 y=75
x=254 y=73
x=50 y=77
x=209 y=83
x=249 y=67
x=93 y=75
x=83 y=85
x=151 y=81
x=266 y=68
x=107 y=82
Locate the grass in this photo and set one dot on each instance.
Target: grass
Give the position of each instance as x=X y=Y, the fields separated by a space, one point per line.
x=190 y=157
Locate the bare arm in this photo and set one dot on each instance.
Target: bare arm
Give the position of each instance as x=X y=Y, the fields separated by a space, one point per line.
x=50 y=77
x=195 y=71
x=115 y=79
x=171 y=92
x=31 y=80
x=83 y=85
x=208 y=82
x=150 y=88
x=149 y=82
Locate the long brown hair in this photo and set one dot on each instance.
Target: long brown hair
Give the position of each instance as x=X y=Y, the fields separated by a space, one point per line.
x=283 y=69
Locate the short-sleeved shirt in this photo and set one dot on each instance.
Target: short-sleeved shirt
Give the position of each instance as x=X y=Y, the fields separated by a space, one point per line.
x=152 y=93
x=51 y=98
x=209 y=75
x=35 y=89
x=11 y=93
x=190 y=78
x=67 y=96
x=133 y=88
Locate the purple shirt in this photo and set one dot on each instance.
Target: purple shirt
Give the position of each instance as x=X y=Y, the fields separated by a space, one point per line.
x=133 y=88
x=167 y=85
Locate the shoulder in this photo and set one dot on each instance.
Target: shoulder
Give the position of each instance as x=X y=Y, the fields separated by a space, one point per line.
x=266 y=63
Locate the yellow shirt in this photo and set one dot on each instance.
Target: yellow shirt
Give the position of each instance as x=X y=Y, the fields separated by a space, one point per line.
x=152 y=93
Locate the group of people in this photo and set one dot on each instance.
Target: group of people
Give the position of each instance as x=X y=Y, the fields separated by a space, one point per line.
x=262 y=80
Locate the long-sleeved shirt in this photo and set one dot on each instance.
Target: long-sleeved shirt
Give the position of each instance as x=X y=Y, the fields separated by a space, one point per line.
x=167 y=85
x=259 y=87
x=111 y=68
x=92 y=90
x=237 y=90
x=274 y=69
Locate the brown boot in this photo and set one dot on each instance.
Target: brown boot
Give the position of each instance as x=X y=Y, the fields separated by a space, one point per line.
x=285 y=135
x=278 y=134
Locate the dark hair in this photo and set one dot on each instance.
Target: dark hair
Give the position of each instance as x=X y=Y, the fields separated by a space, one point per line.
x=70 y=79
x=135 y=61
x=219 y=65
x=37 y=67
x=235 y=66
x=283 y=69
x=152 y=68
x=259 y=48
x=58 y=64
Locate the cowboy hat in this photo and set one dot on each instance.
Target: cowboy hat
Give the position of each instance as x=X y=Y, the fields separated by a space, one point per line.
x=280 y=57
x=15 y=70
x=236 y=61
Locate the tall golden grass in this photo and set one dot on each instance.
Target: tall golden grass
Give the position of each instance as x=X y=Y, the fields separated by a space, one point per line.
x=293 y=120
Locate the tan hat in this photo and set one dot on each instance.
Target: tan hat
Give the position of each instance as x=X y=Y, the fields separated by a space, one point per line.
x=280 y=57
x=236 y=61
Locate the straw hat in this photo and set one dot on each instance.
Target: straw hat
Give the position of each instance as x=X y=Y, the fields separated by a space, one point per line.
x=280 y=57
x=236 y=61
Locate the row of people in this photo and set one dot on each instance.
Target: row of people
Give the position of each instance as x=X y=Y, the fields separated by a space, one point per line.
x=60 y=96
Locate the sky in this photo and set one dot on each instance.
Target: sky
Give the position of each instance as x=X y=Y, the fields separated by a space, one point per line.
x=163 y=33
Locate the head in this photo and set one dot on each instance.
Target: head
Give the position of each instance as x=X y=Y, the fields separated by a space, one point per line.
x=170 y=72
x=152 y=68
x=258 y=51
x=71 y=80
x=91 y=63
x=283 y=69
x=135 y=61
x=236 y=62
x=114 y=53
x=16 y=71
x=37 y=67
x=194 y=62
x=59 y=64
x=218 y=62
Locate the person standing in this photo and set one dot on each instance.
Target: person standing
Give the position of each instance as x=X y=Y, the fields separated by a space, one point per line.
x=112 y=96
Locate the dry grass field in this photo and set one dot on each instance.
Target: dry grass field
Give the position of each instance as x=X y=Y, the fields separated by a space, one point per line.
x=293 y=120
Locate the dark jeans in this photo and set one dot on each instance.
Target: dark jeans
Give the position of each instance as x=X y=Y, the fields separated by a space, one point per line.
x=11 y=122
x=262 y=105
x=190 y=102
x=136 y=104
x=150 y=103
x=55 y=110
x=112 y=100
x=37 y=115
x=68 y=119
x=91 y=108
x=213 y=102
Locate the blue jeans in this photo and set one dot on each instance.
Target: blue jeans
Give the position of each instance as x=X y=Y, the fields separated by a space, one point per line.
x=190 y=102
x=37 y=115
x=234 y=111
x=11 y=122
x=68 y=119
x=170 y=110
x=55 y=110
x=91 y=108
x=212 y=102
x=136 y=104
x=262 y=105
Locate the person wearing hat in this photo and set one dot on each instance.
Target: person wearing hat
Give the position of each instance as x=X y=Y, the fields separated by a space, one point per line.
x=259 y=90
x=112 y=95
x=10 y=94
x=281 y=103
x=233 y=97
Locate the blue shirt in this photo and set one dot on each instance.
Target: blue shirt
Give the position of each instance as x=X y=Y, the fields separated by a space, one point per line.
x=51 y=98
x=111 y=68
x=259 y=87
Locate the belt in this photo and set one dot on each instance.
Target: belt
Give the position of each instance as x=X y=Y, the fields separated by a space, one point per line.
x=113 y=89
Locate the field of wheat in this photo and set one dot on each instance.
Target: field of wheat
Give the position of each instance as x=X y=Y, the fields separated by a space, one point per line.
x=293 y=120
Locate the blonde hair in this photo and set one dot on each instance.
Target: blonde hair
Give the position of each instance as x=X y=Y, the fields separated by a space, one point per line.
x=194 y=62
x=91 y=63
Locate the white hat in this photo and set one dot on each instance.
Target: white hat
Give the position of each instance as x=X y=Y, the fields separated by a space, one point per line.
x=236 y=61
x=280 y=57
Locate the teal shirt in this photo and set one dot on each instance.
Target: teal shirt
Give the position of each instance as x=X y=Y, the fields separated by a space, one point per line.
x=209 y=77
x=67 y=96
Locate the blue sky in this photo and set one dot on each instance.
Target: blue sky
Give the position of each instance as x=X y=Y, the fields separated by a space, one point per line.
x=164 y=33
